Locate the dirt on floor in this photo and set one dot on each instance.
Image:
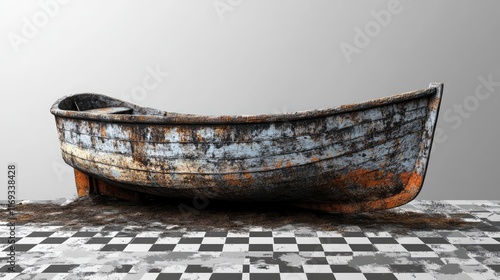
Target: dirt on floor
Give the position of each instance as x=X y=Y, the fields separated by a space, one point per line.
x=216 y=215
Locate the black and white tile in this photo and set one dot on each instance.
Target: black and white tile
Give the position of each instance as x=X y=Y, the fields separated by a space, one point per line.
x=121 y=252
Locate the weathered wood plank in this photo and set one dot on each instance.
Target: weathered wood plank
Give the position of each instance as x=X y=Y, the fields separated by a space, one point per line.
x=402 y=156
x=240 y=133
x=234 y=150
x=205 y=164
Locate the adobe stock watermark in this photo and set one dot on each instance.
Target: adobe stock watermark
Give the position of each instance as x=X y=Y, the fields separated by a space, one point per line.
x=60 y=170
x=483 y=91
x=364 y=36
x=152 y=80
x=31 y=26
x=222 y=7
x=12 y=195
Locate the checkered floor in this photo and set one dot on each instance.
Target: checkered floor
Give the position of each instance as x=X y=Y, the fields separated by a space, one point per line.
x=378 y=252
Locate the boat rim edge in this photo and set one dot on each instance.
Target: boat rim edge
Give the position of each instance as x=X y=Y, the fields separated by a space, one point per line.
x=180 y=118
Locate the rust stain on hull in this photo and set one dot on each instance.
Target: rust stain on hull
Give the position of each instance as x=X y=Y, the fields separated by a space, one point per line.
x=82 y=182
x=360 y=157
x=412 y=183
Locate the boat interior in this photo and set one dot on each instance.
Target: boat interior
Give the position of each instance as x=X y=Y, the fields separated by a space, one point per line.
x=100 y=104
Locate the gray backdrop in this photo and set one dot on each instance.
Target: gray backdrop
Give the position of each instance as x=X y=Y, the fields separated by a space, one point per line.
x=251 y=57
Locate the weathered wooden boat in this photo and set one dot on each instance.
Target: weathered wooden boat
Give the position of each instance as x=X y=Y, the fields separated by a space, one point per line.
x=352 y=158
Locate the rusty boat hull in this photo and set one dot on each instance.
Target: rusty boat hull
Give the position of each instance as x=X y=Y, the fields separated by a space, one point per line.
x=352 y=158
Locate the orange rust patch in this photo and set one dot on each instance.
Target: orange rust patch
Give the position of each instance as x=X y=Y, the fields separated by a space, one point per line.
x=141 y=117
x=184 y=134
x=232 y=179
x=315 y=159
x=366 y=179
x=82 y=182
x=434 y=104
x=199 y=138
x=237 y=181
x=103 y=131
x=413 y=183
x=219 y=132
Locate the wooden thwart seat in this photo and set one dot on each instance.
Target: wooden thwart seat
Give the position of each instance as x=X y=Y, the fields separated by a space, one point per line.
x=110 y=110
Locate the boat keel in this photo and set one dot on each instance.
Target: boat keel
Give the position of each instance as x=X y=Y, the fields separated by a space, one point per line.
x=83 y=183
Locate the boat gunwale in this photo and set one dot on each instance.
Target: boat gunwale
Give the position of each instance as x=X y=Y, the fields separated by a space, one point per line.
x=192 y=119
